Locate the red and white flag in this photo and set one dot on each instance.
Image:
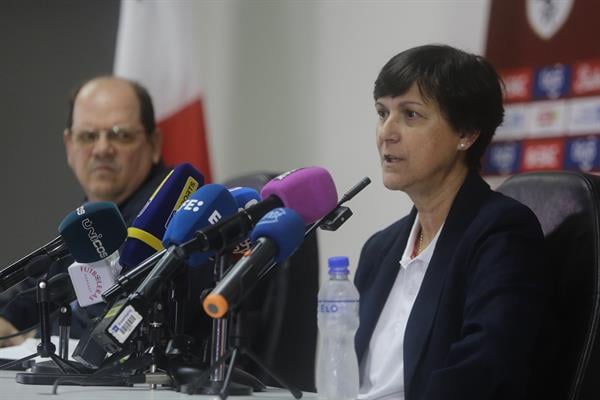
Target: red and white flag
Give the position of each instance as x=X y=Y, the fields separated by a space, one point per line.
x=157 y=46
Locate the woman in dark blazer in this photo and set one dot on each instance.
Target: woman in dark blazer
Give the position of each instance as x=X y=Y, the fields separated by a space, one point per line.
x=452 y=295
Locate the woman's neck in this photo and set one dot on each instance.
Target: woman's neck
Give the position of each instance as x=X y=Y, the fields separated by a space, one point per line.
x=433 y=207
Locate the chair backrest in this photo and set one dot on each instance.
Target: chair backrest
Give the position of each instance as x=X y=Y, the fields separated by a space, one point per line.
x=567 y=204
x=282 y=315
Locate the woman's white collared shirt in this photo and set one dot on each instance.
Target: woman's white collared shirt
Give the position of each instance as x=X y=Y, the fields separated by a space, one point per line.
x=382 y=368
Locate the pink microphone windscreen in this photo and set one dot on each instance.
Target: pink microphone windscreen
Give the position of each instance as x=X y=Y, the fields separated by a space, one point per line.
x=309 y=191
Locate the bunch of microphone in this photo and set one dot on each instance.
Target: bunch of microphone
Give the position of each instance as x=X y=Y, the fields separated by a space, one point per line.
x=184 y=224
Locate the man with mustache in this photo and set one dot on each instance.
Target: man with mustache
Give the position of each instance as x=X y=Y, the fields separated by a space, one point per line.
x=113 y=147
x=111 y=139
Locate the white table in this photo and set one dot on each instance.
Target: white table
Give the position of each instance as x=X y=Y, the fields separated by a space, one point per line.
x=10 y=389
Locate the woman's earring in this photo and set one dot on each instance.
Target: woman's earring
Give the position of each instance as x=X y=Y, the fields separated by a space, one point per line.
x=461 y=146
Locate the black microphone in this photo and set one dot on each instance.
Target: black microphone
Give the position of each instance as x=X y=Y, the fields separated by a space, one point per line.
x=276 y=237
x=132 y=277
x=18 y=271
x=59 y=289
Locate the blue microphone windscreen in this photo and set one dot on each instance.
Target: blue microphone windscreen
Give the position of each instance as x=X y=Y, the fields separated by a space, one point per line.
x=146 y=231
x=93 y=231
x=283 y=226
x=205 y=207
x=245 y=196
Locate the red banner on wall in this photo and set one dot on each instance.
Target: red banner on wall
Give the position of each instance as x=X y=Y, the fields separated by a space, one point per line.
x=547 y=55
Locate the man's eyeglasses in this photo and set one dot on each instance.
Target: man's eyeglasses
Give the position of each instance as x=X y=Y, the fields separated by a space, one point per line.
x=116 y=135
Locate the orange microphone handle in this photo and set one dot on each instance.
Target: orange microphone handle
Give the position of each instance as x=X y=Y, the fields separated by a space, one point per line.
x=215 y=305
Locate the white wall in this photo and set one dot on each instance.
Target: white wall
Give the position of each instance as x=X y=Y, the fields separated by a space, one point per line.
x=289 y=84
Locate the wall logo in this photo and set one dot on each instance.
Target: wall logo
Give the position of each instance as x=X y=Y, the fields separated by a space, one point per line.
x=552 y=82
x=582 y=154
x=548 y=117
x=542 y=155
x=517 y=84
x=586 y=78
x=516 y=122
x=584 y=115
x=502 y=158
x=546 y=17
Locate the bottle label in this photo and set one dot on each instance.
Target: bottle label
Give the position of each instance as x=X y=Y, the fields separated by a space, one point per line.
x=335 y=306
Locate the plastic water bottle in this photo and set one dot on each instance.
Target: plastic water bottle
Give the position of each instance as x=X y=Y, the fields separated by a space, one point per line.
x=337 y=365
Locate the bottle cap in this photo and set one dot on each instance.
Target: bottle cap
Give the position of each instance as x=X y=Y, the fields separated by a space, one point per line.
x=338 y=264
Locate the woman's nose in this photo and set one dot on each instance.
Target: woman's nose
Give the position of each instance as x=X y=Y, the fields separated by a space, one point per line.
x=389 y=129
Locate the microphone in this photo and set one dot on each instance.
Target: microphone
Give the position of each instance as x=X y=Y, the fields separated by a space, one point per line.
x=144 y=235
x=243 y=196
x=59 y=289
x=132 y=277
x=93 y=233
x=276 y=237
x=16 y=272
x=87 y=220
x=206 y=206
x=308 y=191
x=38 y=265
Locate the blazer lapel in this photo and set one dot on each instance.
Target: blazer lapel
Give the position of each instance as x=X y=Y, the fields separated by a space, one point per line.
x=372 y=302
x=424 y=310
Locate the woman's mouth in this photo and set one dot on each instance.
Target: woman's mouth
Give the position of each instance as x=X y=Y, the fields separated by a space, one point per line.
x=391 y=159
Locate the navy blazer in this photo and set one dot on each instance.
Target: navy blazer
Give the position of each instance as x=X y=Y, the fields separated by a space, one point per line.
x=472 y=330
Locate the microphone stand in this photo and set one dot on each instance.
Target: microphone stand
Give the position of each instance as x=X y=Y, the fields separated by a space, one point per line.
x=155 y=350
x=45 y=348
x=236 y=349
x=64 y=330
x=217 y=382
x=332 y=221
x=180 y=344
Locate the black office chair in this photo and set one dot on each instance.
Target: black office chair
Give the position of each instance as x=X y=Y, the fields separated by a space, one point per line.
x=283 y=310
x=567 y=204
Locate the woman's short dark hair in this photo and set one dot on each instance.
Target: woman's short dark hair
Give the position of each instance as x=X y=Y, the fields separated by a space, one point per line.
x=466 y=87
x=144 y=100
